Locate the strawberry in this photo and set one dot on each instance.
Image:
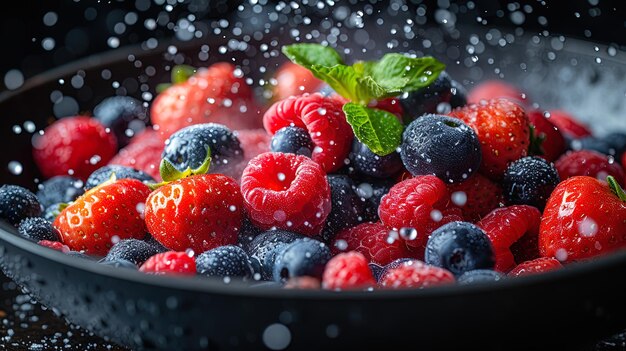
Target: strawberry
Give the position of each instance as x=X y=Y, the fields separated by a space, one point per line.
x=588 y=163
x=73 y=145
x=199 y=212
x=538 y=265
x=113 y=209
x=143 y=153
x=493 y=89
x=216 y=94
x=293 y=79
x=549 y=143
x=503 y=130
x=476 y=196
x=584 y=218
x=568 y=124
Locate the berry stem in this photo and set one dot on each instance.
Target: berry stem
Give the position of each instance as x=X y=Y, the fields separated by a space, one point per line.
x=616 y=188
x=170 y=173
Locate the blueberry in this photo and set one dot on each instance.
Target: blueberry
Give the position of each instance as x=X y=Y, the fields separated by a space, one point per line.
x=124 y=115
x=265 y=246
x=371 y=194
x=479 y=276
x=303 y=257
x=618 y=143
x=292 y=140
x=225 y=261
x=187 y=148
x=460 y=247
x=442 y=146
x=529 y=181
x=370 y=164
x=59 y=189
x=37 y=228
x=592 y=143
x=120 y=263
x=52 y=212
x=247 y=233
x=18 y=203
x=133 y=250
x=441 y=96
x=346 y=206
x=103 y=174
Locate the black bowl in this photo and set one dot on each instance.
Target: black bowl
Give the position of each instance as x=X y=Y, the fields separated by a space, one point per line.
x=568 y=308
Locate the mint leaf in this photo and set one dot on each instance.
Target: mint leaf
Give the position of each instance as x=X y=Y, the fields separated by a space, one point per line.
x=308 y=55
x=379 y=130
x=349 y=84
x=403 y=73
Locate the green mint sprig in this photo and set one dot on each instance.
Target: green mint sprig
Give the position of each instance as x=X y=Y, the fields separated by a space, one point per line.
x=367 y=81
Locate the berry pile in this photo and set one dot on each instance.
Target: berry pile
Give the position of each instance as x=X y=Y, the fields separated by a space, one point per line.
x=383 y=174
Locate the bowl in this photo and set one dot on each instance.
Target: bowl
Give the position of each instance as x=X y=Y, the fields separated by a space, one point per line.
x=569 y=308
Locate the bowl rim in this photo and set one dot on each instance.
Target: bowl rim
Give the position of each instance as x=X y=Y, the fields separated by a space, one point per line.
x=199 y=284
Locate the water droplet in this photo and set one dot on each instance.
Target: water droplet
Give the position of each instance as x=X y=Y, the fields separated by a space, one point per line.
x=587 y=227
x=281 y=176
x=276 y=336
x=459 y=198
x=15 y=167
x=341 y=245
x=408 y=233
x=436 y=215
x=561 y=255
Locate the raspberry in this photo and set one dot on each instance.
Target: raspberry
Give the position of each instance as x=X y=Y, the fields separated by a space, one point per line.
x=55 y=245
x=286 y=191
x=568 y=124
x=476 y=196
x=421 y=203
x=325 y=121
x=506 y=226
x=588 y=163
x=415 y=274
x=73 y=145
x=348 y=270
x=143 y=153
x=170 y=262
x=539 y=265
x=374 y=241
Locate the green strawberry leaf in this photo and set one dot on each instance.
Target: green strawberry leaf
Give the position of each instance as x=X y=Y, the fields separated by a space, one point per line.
x=308 y=55
x=616 y=188
x=536 y=142
x=170 y=173
x=180 y=73
x=379 y=130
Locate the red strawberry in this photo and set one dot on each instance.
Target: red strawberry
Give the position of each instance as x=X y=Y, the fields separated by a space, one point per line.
x=493 y=89
x=286 y=191
x=293 y=79
x=551 y=143
x=507 y=226
x=588 y=163
x=73 y=145
x=346 y=271
x=422 y=203
x=568 y=124
x=199 y=212
x=171 y=262
x=503 y=130
x=476 y=196
x=415 y=274
x=143 y=153
x=215 y=94
x=538 y=265
x=325 y=121
x=584 y=218
x=113 y=209
x=374 y=241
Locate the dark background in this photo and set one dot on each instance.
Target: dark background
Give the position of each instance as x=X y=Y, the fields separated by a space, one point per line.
x=85 y=27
